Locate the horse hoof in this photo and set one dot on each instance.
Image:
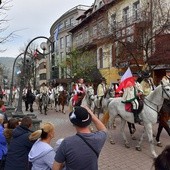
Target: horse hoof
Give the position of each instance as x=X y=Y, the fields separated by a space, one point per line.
x=112 y=142
x=159 y=144
x=138 y=148
x=127 y=145
x=133 y=138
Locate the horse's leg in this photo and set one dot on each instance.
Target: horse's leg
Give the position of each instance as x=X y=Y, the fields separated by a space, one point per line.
x=148 y=129
x=45 y=109
x=138 y=147
x=132 y=130
x=123 y=123
x=110 y=123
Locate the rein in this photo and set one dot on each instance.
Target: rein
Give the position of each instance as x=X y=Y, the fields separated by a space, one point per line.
x=163 y=90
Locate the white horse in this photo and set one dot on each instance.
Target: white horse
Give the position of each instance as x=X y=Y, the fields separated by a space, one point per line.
x=89 y=97
x=152 y=105
x=52 y=98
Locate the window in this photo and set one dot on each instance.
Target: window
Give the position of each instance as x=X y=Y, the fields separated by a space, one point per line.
x=113 y=21
x=61 y=43
x=126 y=15
x=43 y=76
x=61 y=26
x=100 y=58
x=94 y=30
x=72 y=21
x=100 y=4
x=61 y=57
x=136 y=7
x=66 y=23
x=68 y=41
x=86 y=35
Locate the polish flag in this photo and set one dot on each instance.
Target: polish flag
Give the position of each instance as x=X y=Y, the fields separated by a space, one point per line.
x=127 y=80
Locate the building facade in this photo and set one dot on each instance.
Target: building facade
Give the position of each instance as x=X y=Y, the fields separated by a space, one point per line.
x=62 y=39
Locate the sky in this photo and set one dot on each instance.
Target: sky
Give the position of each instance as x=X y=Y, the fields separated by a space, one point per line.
x=32 y=18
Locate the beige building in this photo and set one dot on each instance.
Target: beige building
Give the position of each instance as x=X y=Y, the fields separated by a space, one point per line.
x=62 y=44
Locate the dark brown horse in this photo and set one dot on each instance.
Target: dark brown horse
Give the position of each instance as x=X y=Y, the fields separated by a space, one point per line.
x=164 y=116
x=61 y=101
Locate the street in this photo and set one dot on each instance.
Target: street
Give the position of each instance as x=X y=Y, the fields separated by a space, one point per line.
x=112 y=157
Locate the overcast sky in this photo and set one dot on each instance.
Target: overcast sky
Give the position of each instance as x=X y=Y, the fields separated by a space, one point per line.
x=33 y=18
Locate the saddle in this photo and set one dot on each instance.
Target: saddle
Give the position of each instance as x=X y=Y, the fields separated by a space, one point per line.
x=129 y=107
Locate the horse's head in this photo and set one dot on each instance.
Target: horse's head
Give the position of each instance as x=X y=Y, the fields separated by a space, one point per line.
x=109 y=93
x=166 y=91
x=90 y=93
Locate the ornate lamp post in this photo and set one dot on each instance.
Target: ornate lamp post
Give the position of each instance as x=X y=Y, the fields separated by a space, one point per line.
x=22 y=83
x=12 y=80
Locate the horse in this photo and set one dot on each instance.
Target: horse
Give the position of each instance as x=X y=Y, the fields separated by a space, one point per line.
x=52 y=98
x=164 y=117
x=43 y=103
x=88 y=99
x=152 y=105
x=104 y=102
x=61 y=100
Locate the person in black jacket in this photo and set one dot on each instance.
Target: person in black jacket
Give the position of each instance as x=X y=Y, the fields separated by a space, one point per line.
x=19 y=147
x=30 y=97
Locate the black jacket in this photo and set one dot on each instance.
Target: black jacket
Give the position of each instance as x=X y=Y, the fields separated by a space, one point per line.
x=20 y=145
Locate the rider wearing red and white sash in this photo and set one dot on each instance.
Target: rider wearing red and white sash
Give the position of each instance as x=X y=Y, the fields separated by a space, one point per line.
x=79 y=91
x=166 y=78
x=131 y=94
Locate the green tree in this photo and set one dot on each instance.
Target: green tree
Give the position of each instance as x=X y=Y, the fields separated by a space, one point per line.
x=80 y=63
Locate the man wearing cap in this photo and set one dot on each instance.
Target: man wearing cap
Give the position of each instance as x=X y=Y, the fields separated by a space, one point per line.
x=101 y=90
x=81 y=151
x=166 y=78
x=147 y=83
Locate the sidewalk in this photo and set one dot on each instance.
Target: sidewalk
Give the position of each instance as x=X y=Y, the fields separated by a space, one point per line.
x=112 y=157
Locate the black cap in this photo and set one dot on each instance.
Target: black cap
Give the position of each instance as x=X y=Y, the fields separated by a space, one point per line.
x=135 y=74
x=80 y=117
x=168 y=70
x=145 y=74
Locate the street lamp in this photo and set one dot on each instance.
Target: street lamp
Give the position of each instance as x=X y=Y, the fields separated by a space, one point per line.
x=22 y=83
x=12 y=80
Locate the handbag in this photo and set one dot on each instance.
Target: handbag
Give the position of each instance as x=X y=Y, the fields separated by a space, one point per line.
x=97 y=154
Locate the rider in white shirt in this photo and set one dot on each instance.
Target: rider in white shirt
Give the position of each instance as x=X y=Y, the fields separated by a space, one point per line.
x=43 y=89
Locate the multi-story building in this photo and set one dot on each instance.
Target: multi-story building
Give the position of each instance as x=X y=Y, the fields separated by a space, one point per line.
x=121 y=33
x=62 y=39
x=124 y=33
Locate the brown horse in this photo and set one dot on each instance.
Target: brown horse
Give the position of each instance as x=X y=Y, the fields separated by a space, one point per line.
x=61 y=101
x=164 y=116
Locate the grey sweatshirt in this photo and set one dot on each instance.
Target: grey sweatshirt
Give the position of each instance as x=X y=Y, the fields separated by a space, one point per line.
x=42 y=156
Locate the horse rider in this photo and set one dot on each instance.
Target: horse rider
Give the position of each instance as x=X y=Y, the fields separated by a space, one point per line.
x=60 y=88
x=132 y=94
x=166 y=79
x=43 y=90
x=101 y=90
x=147 y=83
x=79 y=91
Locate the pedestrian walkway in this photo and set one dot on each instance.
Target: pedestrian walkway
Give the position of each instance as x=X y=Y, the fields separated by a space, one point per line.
x=112 y=157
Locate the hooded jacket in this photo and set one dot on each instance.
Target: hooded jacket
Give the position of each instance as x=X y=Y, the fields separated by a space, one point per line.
x=41 y=156
x=20 y=145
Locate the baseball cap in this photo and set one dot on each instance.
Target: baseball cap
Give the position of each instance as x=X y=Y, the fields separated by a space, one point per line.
x=80 y=117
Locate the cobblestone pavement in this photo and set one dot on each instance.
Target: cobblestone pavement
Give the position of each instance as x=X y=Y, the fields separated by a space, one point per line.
x=112 y=157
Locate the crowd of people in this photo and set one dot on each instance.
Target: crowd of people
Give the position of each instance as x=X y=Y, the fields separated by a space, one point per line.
x=20 y=148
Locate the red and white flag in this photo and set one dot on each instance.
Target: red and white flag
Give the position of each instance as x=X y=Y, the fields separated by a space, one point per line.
x=127 y=80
